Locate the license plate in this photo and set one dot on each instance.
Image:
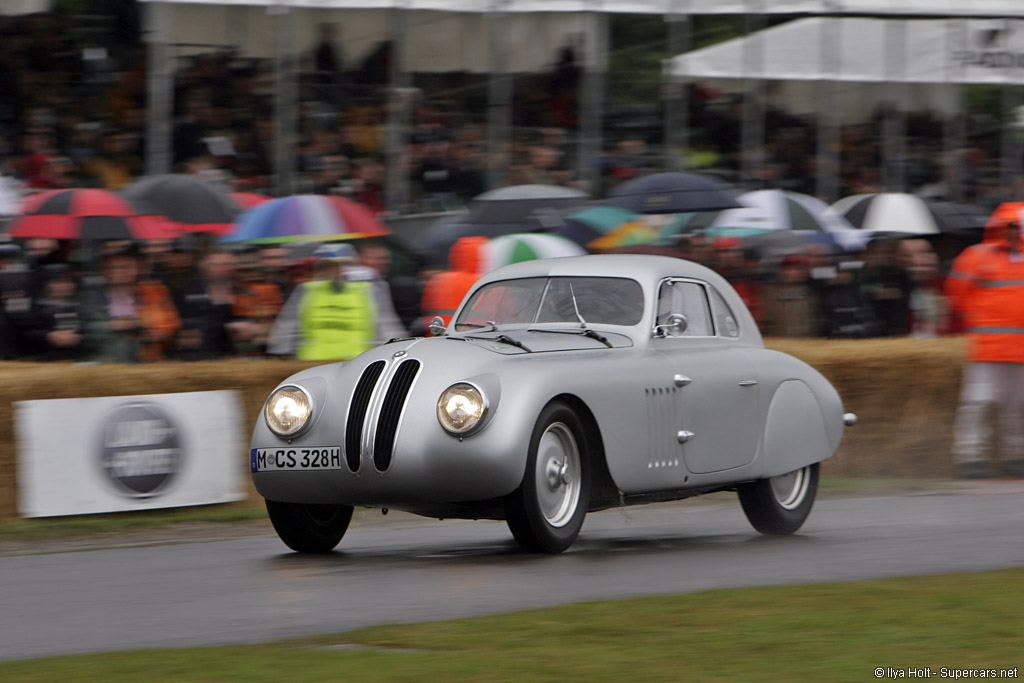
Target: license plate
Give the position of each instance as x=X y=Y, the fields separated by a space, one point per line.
x=295 y=459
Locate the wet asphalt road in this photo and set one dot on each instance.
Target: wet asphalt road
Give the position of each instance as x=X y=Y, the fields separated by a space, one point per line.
x=189 y=592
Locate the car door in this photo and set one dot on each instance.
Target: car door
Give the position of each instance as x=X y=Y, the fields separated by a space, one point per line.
x=716 y=404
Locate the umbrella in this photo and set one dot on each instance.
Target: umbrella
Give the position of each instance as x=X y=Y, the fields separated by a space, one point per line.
x=903 y=214
x=785 y=210
x=586 y=225
x=522 y=203
x=515 y=248
x=434 y=243
x=306 y=218
x=87 y=214
x=197 y=205
x=247 y=200
x=672 y=192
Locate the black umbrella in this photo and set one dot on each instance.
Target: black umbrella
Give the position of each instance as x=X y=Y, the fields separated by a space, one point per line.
x=673 y=192
x=198 y=205
x=521 y=203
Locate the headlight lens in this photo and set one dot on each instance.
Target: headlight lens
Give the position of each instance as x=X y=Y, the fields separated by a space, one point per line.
x=461 y=408
x=288 y=410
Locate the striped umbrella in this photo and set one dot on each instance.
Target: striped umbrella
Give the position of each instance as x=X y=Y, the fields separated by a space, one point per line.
x=87 y=214
x=519 y=247
x=586 y=225
x=306 y=218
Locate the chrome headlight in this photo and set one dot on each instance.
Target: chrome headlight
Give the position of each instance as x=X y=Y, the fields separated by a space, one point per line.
x=461 y=408
x=288 y=410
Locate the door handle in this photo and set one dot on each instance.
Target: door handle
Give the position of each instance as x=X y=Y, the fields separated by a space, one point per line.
x=748 y=382
x=681 y=380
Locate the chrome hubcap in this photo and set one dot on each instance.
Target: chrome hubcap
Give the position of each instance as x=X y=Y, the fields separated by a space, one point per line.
x=558 y=474
x=791 y=489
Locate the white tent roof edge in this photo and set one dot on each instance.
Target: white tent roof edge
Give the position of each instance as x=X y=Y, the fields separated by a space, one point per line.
x=934 y=8
x=876 y=50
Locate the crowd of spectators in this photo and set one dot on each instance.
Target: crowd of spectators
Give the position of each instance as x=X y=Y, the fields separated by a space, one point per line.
x=72 y=115
x=179 y=300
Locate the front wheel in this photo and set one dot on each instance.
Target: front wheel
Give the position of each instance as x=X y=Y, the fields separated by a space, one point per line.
x=309 y=528
x=546 y=512
x=779 y=505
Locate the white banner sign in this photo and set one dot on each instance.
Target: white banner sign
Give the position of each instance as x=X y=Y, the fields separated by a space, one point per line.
x=87 y=455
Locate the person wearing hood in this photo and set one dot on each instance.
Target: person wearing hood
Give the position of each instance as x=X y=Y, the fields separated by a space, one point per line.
x=445 y=291
x=986 y=288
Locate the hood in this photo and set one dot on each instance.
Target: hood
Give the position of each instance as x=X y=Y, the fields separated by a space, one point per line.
x=995 y=229
x=466 y=254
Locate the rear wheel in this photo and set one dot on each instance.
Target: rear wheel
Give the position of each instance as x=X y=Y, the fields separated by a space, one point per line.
x=546 y=512
x=309 y=528
x=779 y=505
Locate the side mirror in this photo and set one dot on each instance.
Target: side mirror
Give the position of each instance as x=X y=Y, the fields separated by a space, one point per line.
x=436 y=326
x=674 y=326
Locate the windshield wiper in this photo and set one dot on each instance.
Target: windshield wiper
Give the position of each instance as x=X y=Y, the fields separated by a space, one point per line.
x=503 y=338
x=593 y=334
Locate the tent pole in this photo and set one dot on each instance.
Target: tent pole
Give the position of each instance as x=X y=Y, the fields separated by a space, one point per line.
x=285 y=100
x=592 y=96
x=894 y=124
x=827 y=166
x=955 y=129
x=499 y=98
x=753 y=153
x=676 y=125
x=399 y=112
x=159 y=88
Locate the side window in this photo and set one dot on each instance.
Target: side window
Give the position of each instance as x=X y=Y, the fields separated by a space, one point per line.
x=689 y=299
x=725 y=321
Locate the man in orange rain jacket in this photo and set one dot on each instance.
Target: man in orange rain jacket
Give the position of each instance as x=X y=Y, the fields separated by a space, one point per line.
x=445 y=291
x=986 y=287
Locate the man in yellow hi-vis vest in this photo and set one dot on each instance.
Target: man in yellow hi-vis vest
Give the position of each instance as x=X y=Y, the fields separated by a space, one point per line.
x=327 y=318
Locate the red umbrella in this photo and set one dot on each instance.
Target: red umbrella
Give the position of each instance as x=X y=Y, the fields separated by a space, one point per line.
x=247 y=200
x=87 y=214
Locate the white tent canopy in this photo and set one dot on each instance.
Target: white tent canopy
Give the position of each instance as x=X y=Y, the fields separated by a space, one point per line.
x=937 y=8
x=868 y=50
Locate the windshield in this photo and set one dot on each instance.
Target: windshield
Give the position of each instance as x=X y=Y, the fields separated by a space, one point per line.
x=532 y=301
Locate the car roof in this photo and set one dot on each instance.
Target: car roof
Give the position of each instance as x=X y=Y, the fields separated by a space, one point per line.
x=647 y=269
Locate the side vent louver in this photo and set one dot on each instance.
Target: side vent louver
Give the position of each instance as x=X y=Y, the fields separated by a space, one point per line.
x=391 y=413
x=357 y=412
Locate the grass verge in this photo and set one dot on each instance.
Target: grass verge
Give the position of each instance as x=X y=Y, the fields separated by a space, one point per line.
x=822 y=632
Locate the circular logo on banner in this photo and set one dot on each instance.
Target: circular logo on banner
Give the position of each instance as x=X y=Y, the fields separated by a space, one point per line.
x=140 y=449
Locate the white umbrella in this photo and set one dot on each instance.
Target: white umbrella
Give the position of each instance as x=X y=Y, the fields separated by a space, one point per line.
x=785 y=210
x=900 y=213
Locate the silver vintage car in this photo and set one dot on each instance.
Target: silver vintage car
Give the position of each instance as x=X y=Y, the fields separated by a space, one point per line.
x=561 y=386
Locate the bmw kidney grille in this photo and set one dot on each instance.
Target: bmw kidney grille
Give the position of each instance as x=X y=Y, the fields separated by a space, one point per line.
x=375 y=412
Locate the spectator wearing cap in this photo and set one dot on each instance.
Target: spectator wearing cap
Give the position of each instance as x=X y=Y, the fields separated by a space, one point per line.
x=126 y=319
x=739 y=267
x=327 y=318
x=56 y=329
x=788 y=304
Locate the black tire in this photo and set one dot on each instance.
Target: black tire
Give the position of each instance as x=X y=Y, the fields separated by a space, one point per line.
x=546 y=512
x=780 y=505
x=309 y=528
